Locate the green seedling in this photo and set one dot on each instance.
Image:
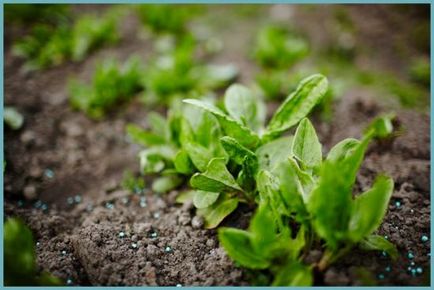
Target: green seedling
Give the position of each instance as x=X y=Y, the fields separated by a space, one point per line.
x=177 y=73
x=166 y=18
x=278 y=48
x=316 y=195
x=135 y=185
x=112 y=84
x=250 y=145
x=13 y=118
x=49 y=45
x=20 y=257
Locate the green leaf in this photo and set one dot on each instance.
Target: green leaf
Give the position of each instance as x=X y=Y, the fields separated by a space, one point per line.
x=330 y=204
x=220 y=209
x=166 y=183
x=242 y=105
x=216 y=178
x=13 y=118
x=183 y=164
x=202 y=199
x=293 y=274
x=158 y=125
x=199 y=155
x=381 y=127
x=272 y=153
x=230 y=126
x=142 y=137
x=19 y=253
x=263 y=230
x=342 y=149
x=235 y=150
x=298 y=104
x=379 y=243
x=369 y=209
x=237 y=244
x=306 y=146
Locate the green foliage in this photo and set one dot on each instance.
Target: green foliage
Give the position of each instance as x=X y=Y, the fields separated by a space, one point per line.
x=166 y=18
x=177 y=73
x=317 y=195
x=133 y=184
x=278 y=48
x=420 y=71
x=20 y=257
x=50 y=45
x=12 y=118
x=32 y=13
x=112 y=83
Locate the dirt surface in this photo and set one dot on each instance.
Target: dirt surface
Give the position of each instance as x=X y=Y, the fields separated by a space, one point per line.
x=63 y=173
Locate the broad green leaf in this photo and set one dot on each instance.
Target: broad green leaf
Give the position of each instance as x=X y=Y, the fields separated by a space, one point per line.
x=230 y=126
x=342 y=149
x=330 y=204
x=220 y=209
x=142 y=137
x=166 y=183
x=295 y=187
x=183 y=164
x=268 y=188
x=306 y=146
x=298 y=104
x=202 y=199
x=235 y=150
x=272 y=153
x=369 y=209
x=293 y=274
x=13 y=118
x=199 y=155
x=216 y=178
x=238 y=246
x=379 y=243
x=263 y=230
x=243 y=106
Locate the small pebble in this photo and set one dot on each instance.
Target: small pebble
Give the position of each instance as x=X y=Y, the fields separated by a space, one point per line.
x=424 y=239
x=49 y=173
x=121 y=234
x=386 y=237
x=168 y=249
x=89 y=207
x=37 y=244
x=412 y=263
x=410 y=255
x=413 y=272
x=69 y=281
x=384 y=253
x=388 y=269
x=44 y=207
x=156 y=215
x=397 y=204
x=125 y=200
x=381 y=276
x=77 y=198
x=419 y=270
x=109 y=205
x=412 y=211
x=178 y=285
x=153 y=235
x=134 y=245
x=64 y=253
x=70 y=200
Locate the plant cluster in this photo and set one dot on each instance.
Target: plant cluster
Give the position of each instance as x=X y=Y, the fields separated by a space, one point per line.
x=49 y=45
x=304 y=201
x=20 y=257
x=112 y=83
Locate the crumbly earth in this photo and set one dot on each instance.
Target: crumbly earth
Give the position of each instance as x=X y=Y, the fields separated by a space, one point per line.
x=111 y=237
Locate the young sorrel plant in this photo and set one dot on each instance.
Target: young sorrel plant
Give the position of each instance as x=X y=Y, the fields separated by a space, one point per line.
x=316 y=195
x=49 y=45
x=112 y=83
x=223 y=150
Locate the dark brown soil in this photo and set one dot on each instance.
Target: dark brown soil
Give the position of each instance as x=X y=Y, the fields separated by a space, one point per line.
x=60 y=153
